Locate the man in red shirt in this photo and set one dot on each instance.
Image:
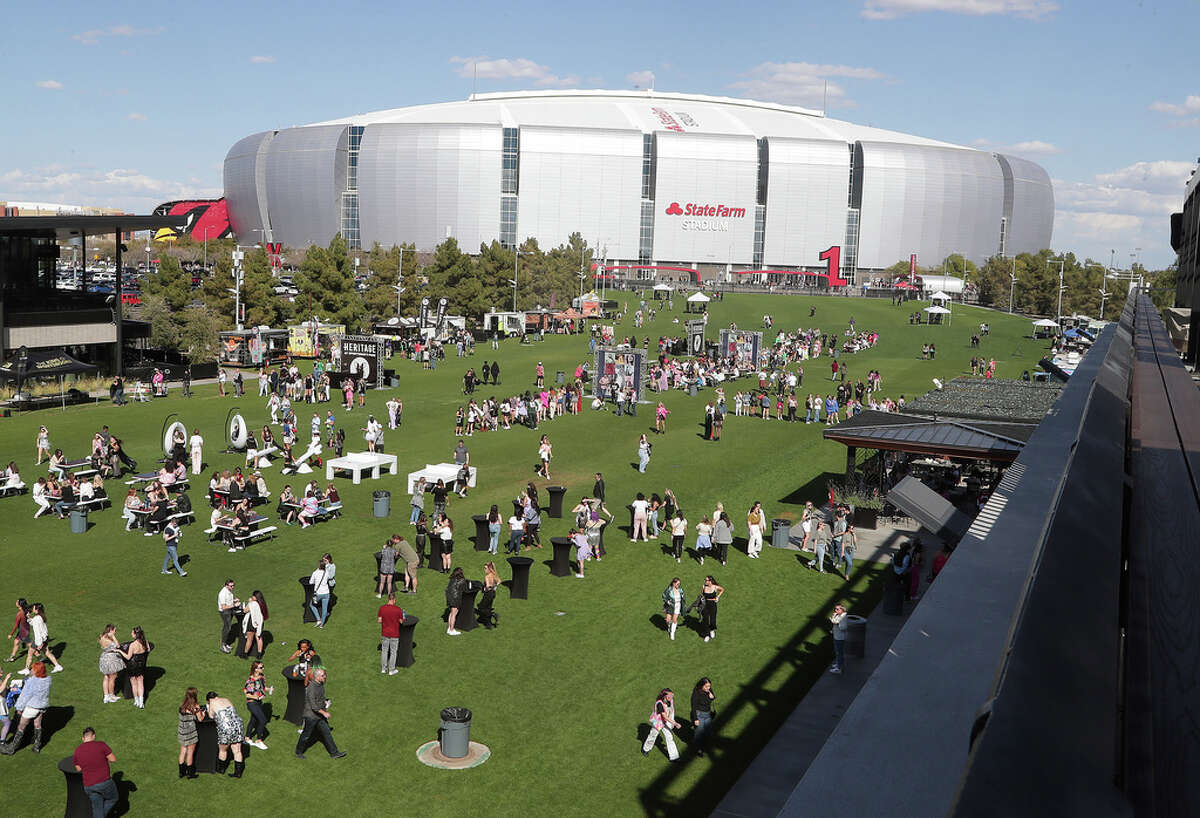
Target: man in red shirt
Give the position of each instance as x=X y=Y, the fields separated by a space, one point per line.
x=390 y=618
x=91 y=758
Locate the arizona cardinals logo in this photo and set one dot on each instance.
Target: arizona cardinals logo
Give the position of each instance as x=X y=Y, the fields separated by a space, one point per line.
x=674 y=209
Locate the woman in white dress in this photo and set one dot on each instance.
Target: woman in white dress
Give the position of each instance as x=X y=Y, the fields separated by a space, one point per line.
x=197 y=446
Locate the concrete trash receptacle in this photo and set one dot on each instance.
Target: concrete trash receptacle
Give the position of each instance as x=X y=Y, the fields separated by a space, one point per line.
x=455 y=735
x=856 y=635
x=560 y=377
x=382 y=505
x=78 y=520
x=693 y=389
x=780 y=530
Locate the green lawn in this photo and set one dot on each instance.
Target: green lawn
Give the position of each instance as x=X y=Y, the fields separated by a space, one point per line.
x=561 y=689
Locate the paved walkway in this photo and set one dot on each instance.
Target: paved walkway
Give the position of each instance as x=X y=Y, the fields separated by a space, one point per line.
x=770 y=779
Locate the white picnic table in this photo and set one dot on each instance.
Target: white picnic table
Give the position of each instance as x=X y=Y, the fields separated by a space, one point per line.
x=446 y=472
x=358 y=462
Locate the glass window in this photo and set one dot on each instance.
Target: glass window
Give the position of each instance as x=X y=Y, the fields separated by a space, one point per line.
x=508 y=221
x=646 y=233
x=510 y=161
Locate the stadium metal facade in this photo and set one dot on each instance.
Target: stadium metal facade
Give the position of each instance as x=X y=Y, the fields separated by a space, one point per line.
x=648 y=178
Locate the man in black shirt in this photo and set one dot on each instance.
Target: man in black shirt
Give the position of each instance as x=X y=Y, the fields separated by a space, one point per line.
x=598 y=488
x=495 y=372
x=316 y=717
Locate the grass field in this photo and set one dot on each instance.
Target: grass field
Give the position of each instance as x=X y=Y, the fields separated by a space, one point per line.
x=561 y=690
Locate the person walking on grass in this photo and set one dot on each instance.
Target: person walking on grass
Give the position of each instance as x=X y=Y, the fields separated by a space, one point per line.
x=710 y=594
x=643 y=453
x=722 y=535
x=660 y=418
x=545 y=452
x=838 y=620
x=583 y=549
x=32 y=704
x=227 y=606
x=674 y=604
x=702 y=714
x=171 y=535
x=319 y=579
x=390 y=617
x=418 y=501
x=820 y=545
x=256 y=690
x=40 y=640
x=678 y=525
x=662 y=720
x=92 y=758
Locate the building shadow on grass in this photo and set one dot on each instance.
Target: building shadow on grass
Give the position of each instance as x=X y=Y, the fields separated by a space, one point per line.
x=814 y=490
x=766 y=709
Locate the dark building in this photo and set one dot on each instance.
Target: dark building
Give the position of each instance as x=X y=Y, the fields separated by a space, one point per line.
x=1185 y=240
x=35 y=313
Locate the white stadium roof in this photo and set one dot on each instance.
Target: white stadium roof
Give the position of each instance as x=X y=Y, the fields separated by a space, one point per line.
x=628 y=110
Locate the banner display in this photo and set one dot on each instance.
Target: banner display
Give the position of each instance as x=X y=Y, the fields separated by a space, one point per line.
x=619 y=368
x=305 y=341
x=423 y=314
x=695 y=334
x=742 y=346
x=441 y=312
x=361 y=356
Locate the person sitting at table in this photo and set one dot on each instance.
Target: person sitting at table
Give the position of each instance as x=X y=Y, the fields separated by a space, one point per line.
x=250 y=490
x=308 y=509
x=236 y=491
x=132 y=504
x=40 y=497
x=331 y=495
x=216 y=519
x=180 y=471
x=98 y=486
x=214 y=486
x=288 y=507
x=260 y=487
x=99 y=447
x=157 y=518
x=156 y=492
x=241 y=528
x=166 y=475
x=85 y=490
x=56 y=462
x=67 y=496
x=12 y=477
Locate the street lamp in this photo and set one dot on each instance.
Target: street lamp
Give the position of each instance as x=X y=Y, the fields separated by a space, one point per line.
x=517 y=252
x=1061 y=263
x=1012 y=285
x=1103 y=295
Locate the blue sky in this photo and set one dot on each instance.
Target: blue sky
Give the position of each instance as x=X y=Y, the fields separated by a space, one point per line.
x=108 y=105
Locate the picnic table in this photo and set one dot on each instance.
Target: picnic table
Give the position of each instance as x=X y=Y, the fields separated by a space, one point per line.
x=446 y=472
x=358 y=462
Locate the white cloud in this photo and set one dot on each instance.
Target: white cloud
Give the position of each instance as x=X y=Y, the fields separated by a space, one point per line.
x=640 y=79
x=486 y=68
x=138 y=117
x=1162 y=176
x=802 y=83
x=50 y=85
x=1033 y=147
x=121 y=187
x=1097 y=225
x=1189 y=107
x=93 y=36
x=891 y=9
x=261 y=59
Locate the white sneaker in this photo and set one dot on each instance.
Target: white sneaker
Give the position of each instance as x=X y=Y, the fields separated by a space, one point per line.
x=57 y=668
x=378 y=596
x=24 y=672
x=835 y=669
x=393 y=672
x=579 y=576
x=454 y=633
x=707 y=638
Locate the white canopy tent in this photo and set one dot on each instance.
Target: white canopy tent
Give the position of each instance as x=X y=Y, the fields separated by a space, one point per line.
x=939 y=297
x=1045 y=322
x=663 y=288
x=698 y=298
x=936 y=310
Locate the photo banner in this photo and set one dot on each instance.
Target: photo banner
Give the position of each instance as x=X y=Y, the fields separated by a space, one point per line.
x=361 y=356
x=741 y=346
x=695 y=334
x=620 y=368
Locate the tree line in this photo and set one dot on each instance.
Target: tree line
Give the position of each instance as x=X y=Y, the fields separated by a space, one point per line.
x=188 y=318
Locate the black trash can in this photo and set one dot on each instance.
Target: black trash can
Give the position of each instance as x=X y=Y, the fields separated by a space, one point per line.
x=556 y=500
x=893 y=597
x=455 y=735
x=856 y=635
x=79 y=521
x=780 y=529
x=382 y=502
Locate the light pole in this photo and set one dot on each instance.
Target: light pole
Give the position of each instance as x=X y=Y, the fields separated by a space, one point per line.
x=238 y=255
x=1012 y=285
x=1061 y=263
x=399 y=281
x=1103 y=295
x=516 y=255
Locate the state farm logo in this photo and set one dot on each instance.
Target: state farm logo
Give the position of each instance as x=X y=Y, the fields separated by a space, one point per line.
x=716 y=217
x=693 y=209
